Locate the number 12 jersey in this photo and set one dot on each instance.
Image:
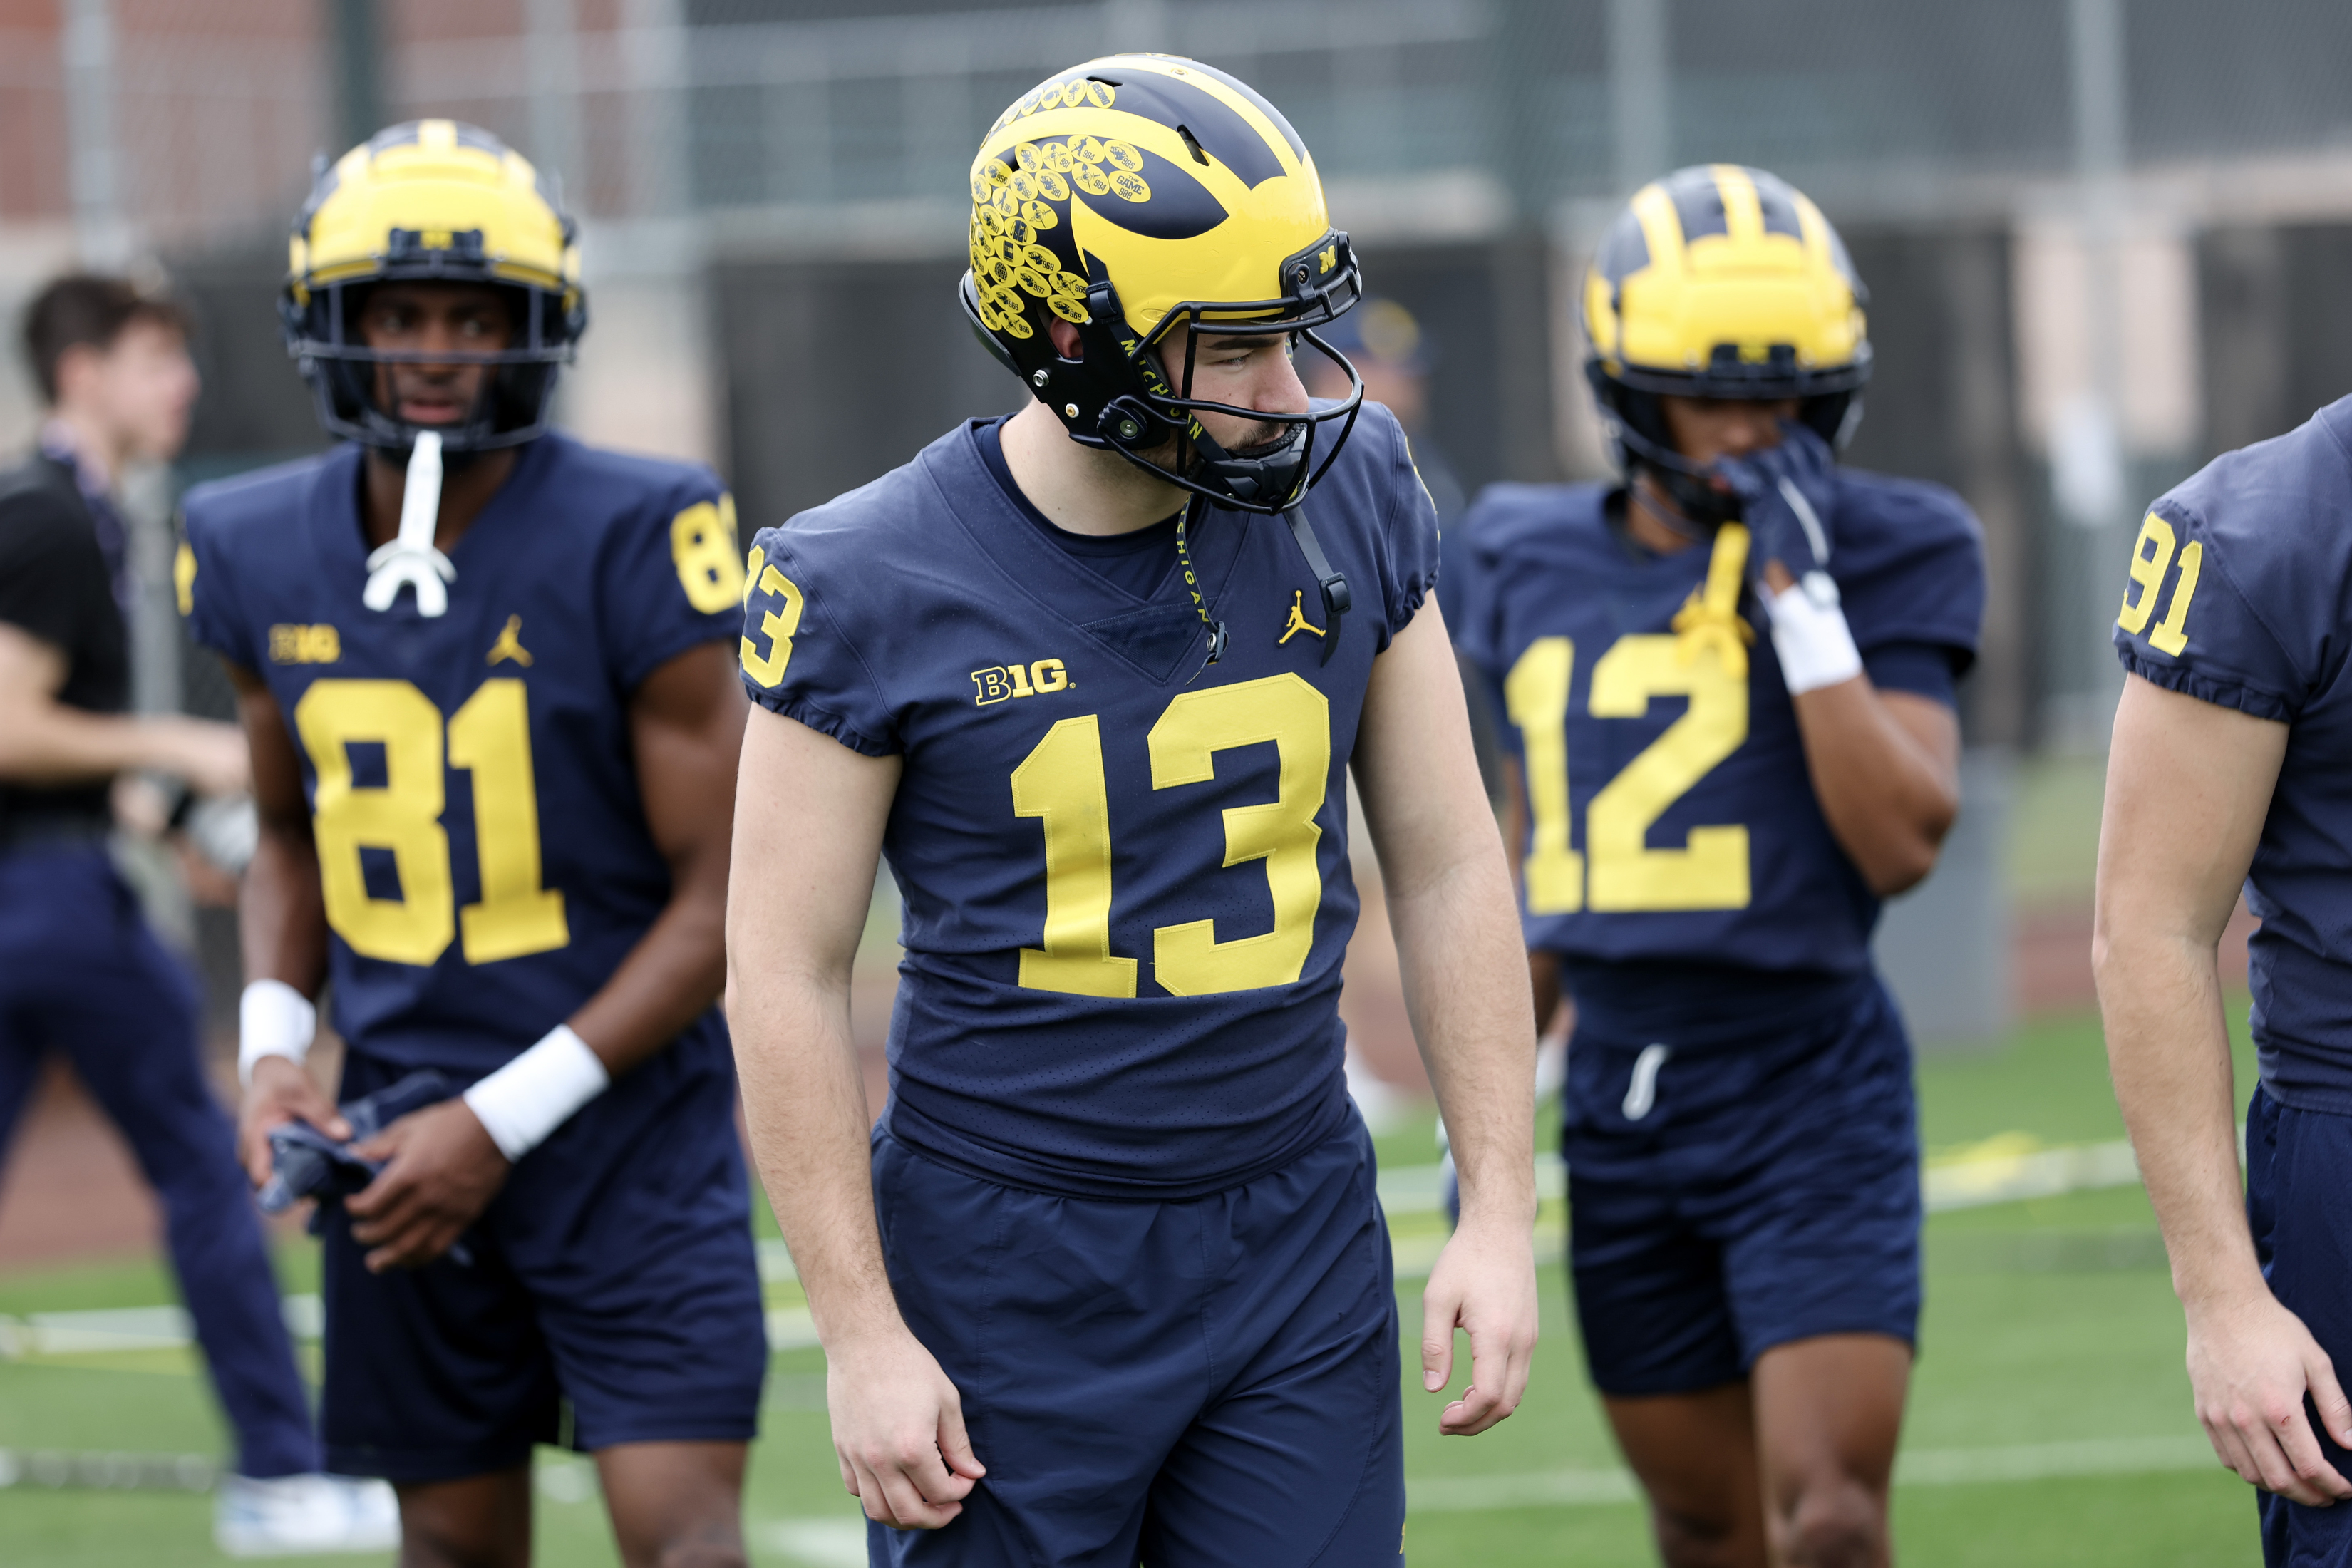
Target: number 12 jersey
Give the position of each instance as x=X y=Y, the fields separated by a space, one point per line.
x=1676 y=859
x=1125 y=875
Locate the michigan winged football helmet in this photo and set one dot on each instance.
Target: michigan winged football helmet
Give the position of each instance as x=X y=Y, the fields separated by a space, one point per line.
x=433 y=200
x=1721 y=282
x=1129 y=194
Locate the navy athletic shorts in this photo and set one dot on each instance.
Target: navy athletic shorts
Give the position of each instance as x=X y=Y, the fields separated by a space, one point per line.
x=614 y=1273
x=1206 y=1383
x=2299 y=1207
x=1726 y=1201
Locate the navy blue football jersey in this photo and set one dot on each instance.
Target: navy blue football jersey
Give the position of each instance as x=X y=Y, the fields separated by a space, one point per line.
x=482 y=846
x=1676 y=859
x=1125 y=875
x=2240 y=592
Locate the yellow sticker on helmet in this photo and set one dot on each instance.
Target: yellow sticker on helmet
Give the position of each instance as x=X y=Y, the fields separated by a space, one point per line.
x=1100 y=94
x=1038 y=215
x=1069 y=310
x=995 y=172
x=980 y=187
x=1070 y=283
x=1130 y=188
x=1090 y=179
x=1029 y=100
x=1030 y=283
x=1018 y=327
x=1028 y=155
x=1122 y=155
x=989 y=315
x=1051 y=186
x=1023 y=185
x=1056 y=155
x=1041 y=258
x=1086 y=149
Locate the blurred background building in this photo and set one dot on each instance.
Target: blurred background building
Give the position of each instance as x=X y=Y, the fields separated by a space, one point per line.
x=2104 y=239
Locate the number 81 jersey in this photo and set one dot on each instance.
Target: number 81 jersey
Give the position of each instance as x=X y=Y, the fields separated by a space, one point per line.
x=1126 y=879
x=1672 y=821
x=484 y=858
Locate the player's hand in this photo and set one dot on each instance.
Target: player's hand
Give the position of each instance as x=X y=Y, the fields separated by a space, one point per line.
x=897 y=1429
x=2251 y=1363
x=440 y=1171
x=280 y=1092
x=1787 y=498
x=1484 y=1282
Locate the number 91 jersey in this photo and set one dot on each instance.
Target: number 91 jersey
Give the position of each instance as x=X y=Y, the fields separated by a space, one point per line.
x=2239 y=593
x=483 y=852
x=1125 y=875
x=1676 y=859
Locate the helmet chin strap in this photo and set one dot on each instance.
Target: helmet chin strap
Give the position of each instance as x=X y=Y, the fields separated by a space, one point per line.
x=411 y=559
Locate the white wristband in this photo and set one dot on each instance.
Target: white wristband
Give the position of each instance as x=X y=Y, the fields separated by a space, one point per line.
x=531 y=1096
x=1810 y=634
x=273 y=1019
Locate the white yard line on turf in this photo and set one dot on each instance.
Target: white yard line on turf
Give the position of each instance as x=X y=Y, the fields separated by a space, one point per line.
x=2000 y=1169
x=2004 y=1169
x=819 y=1543
x=1915 y=1468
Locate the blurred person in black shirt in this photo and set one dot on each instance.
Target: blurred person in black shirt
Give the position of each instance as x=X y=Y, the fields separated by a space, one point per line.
x=81 y=973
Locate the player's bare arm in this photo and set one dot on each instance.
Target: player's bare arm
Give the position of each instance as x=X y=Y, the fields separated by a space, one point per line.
x=800 y=892
x=282 y=922
x=2189 y=785
x=1885 y=766
x=1450 y=907
x=685 y=722
x=45 y=742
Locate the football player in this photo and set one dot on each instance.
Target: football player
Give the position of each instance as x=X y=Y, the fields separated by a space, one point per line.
x=1709 y=820
x=1111 y=1280
x=2230 y=769
x=486 y=675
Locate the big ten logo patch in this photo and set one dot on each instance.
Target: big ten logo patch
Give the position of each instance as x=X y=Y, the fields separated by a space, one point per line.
x=1004 y=681
x=305 y=645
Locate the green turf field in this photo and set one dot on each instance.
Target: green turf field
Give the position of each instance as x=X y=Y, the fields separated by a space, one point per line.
x=2050 y=1425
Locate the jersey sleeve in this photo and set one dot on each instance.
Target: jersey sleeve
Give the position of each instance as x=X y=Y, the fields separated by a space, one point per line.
x=797 y=657
x=206 y=584
x=47 y=568
x=1923 y=669
x=2208 y=612
x=673 y=580
x=1910 y=570
x=1409 y=570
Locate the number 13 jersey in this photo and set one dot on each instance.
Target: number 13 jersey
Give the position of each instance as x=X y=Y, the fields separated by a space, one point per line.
x=1125 y=875
x=1677 y=859
x=483 y=850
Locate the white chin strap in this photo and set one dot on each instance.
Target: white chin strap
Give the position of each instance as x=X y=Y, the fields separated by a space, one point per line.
x=411 y=559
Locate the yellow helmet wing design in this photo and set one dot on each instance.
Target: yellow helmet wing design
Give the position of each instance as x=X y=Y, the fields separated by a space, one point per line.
x=1129 y=194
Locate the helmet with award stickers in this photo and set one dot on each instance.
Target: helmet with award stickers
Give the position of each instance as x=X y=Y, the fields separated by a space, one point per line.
x=1128 y=195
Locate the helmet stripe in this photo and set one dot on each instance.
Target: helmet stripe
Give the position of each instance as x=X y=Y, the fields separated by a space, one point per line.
x=1743 y=215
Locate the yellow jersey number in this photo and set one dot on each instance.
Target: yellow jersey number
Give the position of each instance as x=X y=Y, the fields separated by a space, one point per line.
x=1711 y=871
x=1062 y=784
x=489 y=737
x=2151 y=557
